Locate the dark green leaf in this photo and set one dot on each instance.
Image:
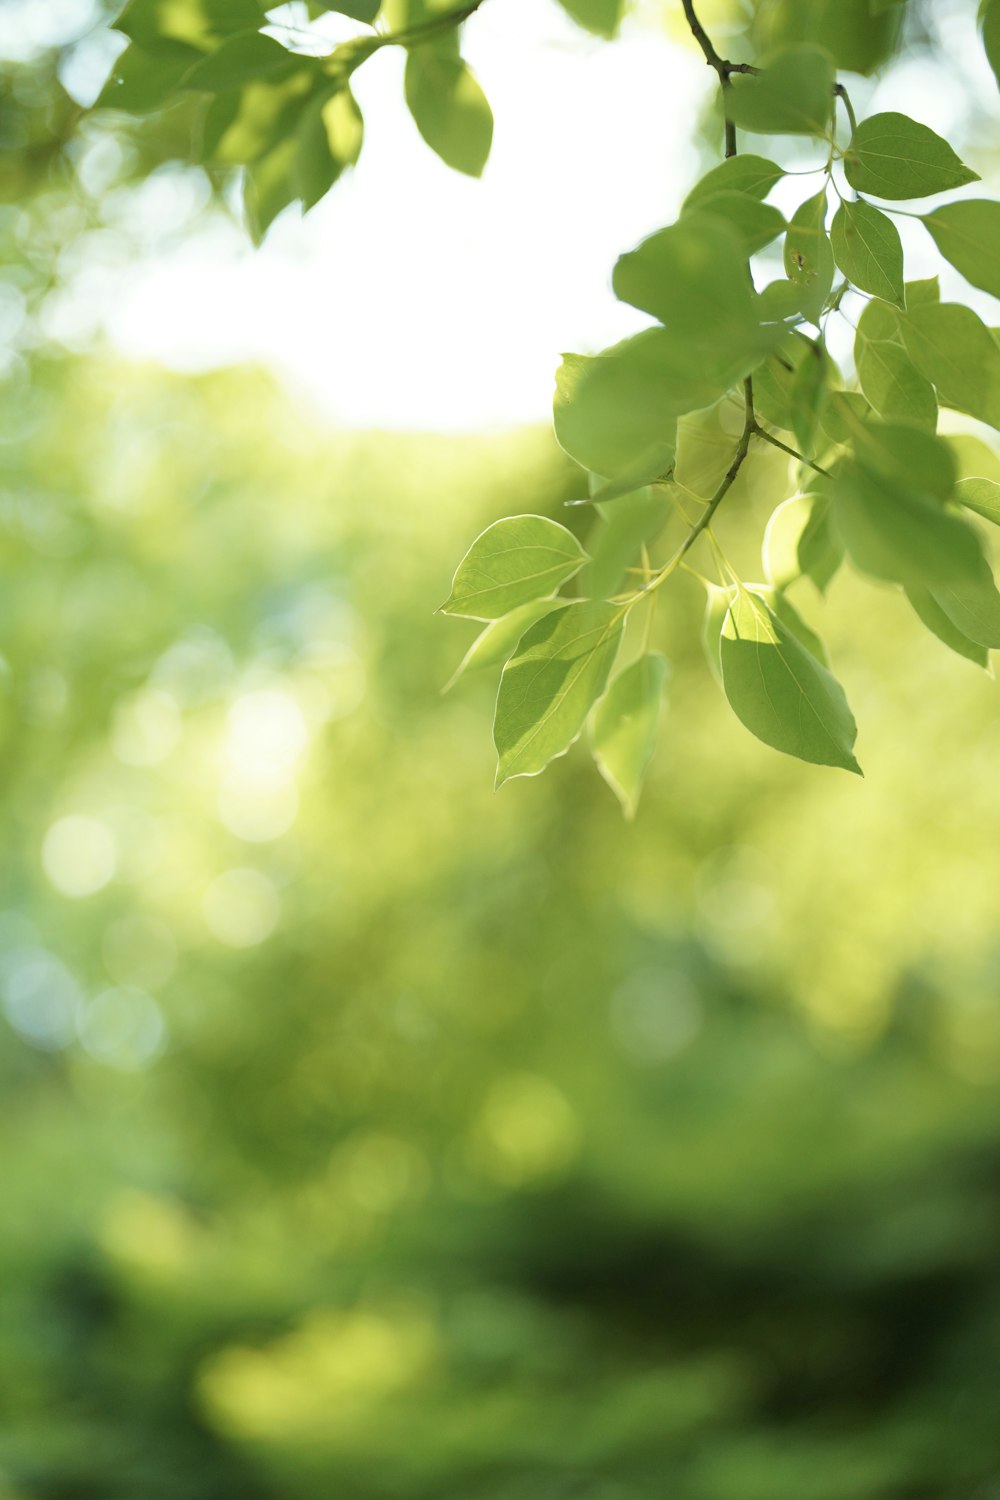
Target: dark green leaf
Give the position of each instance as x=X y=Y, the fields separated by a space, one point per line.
x=867 y=248
x=330 y=135
x=449 y=108
x=512 y=562
x=549 y=686
x=246 y=58
x=779 y=690
x=599 y=16
x=358 y=10
x=269 y=186
x=989 y=20
x=624 y=725
x=894 y=157
x=141 y=82
x=173 y=28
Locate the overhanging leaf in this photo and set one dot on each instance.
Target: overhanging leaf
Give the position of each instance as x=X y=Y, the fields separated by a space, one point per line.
x=895 y=157
x=624 y=725
x=550 y=684
x=780 y=691
x=512 y=562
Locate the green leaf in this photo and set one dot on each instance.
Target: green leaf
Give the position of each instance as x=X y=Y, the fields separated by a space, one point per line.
x=980 y=495
x=693 y=277
x=624 y=725
x=753 y=176
x=498 y=641
x=808 y=256
x=900 y=534
x=798 y=542
x=968 y=235
x=808 y=398
x=245 y=58
x=616 y=410
x=989 y=20
x=774 y=380
x=845 y=412
x=168 y=27
x=780 y=691
x=512 y=562
x=928 y=610
x=269 y=186
x=358 y=10
x=756 y=223
x=599 y=16
x=919 y=293
x=973 y=604
x=893 y=384
x=867 y=248
x=918 y=460
x=793 y=95
x=619 y=534
x=956 y=352
x=549 y=686
x=142 y=82
x=894 y=157
x=448 y=107
x=652 y=464
x=330 y=135
x=717 y=605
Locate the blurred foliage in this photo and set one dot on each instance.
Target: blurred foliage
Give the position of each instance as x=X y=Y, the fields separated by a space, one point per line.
x=368 y=1133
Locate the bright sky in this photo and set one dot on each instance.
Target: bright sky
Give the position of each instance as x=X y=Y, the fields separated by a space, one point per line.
x=415 y=297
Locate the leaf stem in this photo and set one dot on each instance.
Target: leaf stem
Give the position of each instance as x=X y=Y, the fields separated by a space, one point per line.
x=842 y=94
x=792 y=452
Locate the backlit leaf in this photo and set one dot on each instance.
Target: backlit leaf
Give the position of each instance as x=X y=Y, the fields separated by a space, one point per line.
x=928 y=610
x=968 y=235
x=895 y=157
x=498 y=641
x=808 y=256
x=780 y=691
x=867 y=248
x=793 y=95
x=448 y=107
x=752 y=175
x=980 y=495
x=624 y=725
x=901 y=534
x=956 y=352
x=973 y=604
x=512 y=562
x=550 y=684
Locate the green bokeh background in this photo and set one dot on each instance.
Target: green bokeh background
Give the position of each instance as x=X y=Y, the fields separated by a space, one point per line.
x=370 y=1135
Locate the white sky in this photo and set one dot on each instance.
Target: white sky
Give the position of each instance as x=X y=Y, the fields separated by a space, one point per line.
x=415 y=297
